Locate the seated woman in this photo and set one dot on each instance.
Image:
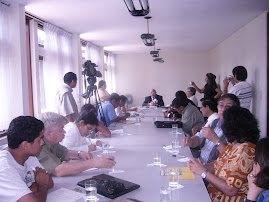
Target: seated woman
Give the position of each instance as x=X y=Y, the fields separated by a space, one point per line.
x=228 y=174
x=76 y=132
x=258 y=179
x=100 y=127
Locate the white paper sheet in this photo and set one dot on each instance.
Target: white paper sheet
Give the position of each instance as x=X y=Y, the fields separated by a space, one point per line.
x=64 y=195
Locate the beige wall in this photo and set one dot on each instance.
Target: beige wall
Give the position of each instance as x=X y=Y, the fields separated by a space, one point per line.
x=136 y=74
x=247 y=47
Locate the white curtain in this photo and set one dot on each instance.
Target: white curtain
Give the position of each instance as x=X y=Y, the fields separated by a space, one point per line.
x=5 y=76
x=57 y=62
x=111 y=84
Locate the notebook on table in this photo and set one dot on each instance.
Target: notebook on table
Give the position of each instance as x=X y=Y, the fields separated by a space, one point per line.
x=111 y=187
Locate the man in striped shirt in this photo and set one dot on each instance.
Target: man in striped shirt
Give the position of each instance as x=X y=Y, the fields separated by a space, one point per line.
x=241 y=88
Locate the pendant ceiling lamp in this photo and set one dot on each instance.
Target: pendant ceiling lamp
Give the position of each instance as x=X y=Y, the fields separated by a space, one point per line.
x=160 y=60
x=144 y=4
x=155 y=53
x=148 y=38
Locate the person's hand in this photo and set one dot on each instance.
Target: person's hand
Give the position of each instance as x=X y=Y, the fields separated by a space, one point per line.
x=196 y=129
x=91 y=147
x=42 y=178
x=254 y=191
x=225 y=82
x=99 y=143
x=187 y=141
x=127 y=114
x=98 y=133
x=85 y=156
x=192 y=83
x=151 y=103
x=196 y=166
x=166 y=113
x=209 y=134
x=103 y=162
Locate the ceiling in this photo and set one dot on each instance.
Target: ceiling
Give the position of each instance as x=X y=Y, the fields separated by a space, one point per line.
x=182 y=25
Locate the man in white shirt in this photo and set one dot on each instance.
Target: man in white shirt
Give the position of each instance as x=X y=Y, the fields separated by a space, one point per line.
x=191 y=95
x=22 y=177
x=121 y=104
x=65 y=102
x=241 y=88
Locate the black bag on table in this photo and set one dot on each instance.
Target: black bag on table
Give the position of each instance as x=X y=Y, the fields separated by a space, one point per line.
x=167 y=124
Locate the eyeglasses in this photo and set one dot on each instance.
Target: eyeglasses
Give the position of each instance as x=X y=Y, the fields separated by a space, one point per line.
x=221 y=106
x=89 y=128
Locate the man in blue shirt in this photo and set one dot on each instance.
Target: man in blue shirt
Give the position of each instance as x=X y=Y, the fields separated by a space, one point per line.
x=107 y=110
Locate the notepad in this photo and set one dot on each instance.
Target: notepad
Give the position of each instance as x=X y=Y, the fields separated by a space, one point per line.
x=185 y=173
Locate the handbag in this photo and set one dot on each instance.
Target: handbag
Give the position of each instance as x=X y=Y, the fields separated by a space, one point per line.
x=167 y=124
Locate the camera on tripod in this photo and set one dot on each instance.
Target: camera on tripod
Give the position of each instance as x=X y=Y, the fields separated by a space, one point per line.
x=91 y=73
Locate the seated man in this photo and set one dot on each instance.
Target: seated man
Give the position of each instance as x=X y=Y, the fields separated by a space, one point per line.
x=153 y=99
x=53 y=154
x=191 y=116
x=211 y=138
x=22 y=177
x=107 y=110
x=121 y=104
x=191 y=95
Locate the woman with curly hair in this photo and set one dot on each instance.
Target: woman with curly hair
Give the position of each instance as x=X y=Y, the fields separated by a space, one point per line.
x=210 y=89
x=258 y=179
x=227 y=176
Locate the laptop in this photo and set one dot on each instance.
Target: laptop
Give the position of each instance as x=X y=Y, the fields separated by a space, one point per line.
x=111 y=187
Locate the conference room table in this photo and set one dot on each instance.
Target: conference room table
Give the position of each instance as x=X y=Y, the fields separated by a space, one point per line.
x=134 y=155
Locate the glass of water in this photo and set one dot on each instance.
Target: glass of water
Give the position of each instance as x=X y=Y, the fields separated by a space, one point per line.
x=137 y=120
x=156 y=158
x=105 y=147
x=165 y=194
x=175 y=146
x=91 y=190
x=174 y=128
x=173 y=177
x=124 y=130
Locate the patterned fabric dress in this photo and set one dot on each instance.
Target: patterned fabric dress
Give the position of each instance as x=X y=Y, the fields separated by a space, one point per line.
x=233 y=165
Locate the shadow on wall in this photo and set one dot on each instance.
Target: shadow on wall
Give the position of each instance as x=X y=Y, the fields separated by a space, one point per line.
x=256 y=92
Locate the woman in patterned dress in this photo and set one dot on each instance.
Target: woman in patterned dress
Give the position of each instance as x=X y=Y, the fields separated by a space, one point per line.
x=227 y=176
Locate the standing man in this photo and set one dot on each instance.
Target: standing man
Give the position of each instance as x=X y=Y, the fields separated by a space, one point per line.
x=65 y=102
x=22 y=178
x=241 y=88
x=154 y=99
x=108 y=110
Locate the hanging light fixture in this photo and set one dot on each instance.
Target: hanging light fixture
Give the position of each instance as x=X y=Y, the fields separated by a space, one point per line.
x=160 y=60
x=134 y=12
x=155 y=53
x=148 y=38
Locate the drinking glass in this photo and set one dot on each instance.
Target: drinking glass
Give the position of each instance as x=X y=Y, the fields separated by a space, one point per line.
x=137 y=120
x=174 y=128
x=113 y=170
x=105 y=147
x=165 y=194
x=173 y=177
x=175 y=146
x=156 y=158
x=91 y=190
x=124 y=130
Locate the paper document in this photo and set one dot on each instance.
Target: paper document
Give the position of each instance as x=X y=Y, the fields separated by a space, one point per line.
x=64 y=195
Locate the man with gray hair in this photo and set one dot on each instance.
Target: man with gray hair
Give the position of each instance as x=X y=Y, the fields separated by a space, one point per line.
x=53 y=154
x=191 y=95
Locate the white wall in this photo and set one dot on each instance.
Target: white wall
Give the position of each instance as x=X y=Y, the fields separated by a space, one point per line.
x=247 y=47
x=136 y=74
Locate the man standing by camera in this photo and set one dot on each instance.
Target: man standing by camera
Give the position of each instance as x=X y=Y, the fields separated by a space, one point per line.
x=65 y=102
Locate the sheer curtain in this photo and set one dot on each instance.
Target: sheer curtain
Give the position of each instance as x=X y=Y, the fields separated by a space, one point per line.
x=5 y=76
x=111 y=84
x=57 y=62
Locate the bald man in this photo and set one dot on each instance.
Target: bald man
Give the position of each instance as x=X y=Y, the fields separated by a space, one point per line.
x=153 y=99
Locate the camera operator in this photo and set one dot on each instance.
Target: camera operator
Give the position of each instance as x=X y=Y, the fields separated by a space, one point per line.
x=65 y=102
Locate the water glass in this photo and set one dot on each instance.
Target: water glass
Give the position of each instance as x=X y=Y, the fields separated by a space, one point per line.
x=174 y=128
x=175 y=146
x=124 y=130
x=91 y=190
x=165 y=194
x=155 y=118
x=156 y=158
x=173 y=177
x=105 y=147
x=137 y=120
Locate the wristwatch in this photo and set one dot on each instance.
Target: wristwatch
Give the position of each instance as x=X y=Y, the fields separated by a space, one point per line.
x=79 y=155
x=218 y=143
x=247 y=200
x=203 y=174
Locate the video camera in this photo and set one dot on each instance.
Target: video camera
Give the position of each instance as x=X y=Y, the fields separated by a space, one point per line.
x=91 y=73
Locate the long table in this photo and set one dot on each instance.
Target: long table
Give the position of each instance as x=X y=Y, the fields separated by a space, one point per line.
x=133 y=154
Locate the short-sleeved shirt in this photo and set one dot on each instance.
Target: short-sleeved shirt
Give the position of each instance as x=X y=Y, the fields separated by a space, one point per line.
x=109 y=113
x=243 y=90
x=52 y=155
x=191 y=117
x=15 y=179
x=66 y=103
x=209 y=151
x=233 y=166
x=194 y=99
